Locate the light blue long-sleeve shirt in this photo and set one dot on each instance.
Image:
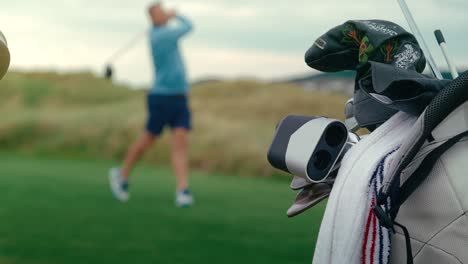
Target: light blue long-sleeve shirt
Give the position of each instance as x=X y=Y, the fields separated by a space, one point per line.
x=171 y=77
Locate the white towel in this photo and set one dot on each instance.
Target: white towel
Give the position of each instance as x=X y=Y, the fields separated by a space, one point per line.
x=343 y=236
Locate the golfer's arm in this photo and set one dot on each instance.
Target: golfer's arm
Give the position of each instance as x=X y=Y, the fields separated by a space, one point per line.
x=184 y=27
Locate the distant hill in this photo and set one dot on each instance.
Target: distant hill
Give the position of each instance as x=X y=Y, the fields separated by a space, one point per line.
x=339 y=82
x=206 y=80
x=345 y=75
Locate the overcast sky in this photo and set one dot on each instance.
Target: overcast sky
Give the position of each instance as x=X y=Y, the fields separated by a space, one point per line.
x=255 y=38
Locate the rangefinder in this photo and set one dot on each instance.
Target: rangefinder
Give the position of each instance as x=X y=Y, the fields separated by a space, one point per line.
x=310 y=147
x=4 y=56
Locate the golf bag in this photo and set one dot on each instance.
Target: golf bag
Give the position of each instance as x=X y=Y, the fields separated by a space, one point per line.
x=421 y=200
x=427 y=188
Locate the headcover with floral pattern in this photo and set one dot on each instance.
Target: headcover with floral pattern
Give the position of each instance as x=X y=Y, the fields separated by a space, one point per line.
x=356 y=42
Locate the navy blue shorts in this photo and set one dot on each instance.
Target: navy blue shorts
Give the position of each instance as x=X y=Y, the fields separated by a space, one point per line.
x=167 y=110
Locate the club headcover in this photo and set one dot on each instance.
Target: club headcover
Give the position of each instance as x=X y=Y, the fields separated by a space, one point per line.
x=400 y=89
x=369 y=112
x=356 y=42
x=4 y=56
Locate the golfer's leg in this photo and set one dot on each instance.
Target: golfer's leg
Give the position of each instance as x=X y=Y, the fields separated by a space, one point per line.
x=180 y=143
x=144 y=142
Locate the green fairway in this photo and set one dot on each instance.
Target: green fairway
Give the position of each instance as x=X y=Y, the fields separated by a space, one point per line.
x=61 y=211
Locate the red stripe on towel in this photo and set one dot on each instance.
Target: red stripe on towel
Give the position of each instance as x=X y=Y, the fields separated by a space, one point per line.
x=374 y=233
x=366 y=237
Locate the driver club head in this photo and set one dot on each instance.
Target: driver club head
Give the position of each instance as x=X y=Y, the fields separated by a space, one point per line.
x=308 y=197
x=4 y=56
x=108 y=72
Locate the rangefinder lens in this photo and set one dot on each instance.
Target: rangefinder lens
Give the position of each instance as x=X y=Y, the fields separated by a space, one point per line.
x=322 y=160
x=335 y=136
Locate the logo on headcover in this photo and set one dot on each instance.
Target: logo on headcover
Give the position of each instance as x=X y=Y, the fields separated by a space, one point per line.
x=380 y=28
x=407 y=57
x=320 y=43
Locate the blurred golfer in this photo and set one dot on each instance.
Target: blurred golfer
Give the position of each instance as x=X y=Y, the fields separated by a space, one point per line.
x=167 y=105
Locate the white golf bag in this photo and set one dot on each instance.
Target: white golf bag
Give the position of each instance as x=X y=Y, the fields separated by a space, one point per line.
x=435 y=214
x=431 y=180
x=421 y=200
x=401 y=194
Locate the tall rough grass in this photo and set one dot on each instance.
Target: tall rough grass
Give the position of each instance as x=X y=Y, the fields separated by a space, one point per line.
x=82 y=115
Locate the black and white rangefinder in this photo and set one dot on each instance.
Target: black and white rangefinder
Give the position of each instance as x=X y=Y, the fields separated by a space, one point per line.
x=310 y=147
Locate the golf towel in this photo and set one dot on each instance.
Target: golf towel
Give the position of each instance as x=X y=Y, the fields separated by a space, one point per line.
x=350 y=232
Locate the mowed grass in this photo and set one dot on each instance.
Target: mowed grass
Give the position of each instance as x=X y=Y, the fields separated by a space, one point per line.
x=60 y=211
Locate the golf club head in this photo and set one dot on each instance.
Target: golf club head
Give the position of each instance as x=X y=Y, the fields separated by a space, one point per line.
x=108 y=72
x=4 y=56
x=309 y=147
x=299 y=183
x=308 y=197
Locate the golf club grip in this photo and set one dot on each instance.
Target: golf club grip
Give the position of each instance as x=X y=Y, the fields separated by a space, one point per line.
x=439 y=36
x=450 y=98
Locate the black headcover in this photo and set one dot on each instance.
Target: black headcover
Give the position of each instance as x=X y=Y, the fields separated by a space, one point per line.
x=400 y=89
x=356 y=42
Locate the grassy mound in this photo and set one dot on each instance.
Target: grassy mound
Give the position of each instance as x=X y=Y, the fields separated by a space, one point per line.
x=82 y=115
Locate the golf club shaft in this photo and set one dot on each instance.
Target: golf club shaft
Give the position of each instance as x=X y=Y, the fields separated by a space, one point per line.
x=443 y=46
x=126 y=47
x=414 y=27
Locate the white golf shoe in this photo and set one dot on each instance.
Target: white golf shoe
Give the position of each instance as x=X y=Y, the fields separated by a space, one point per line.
x=184 y=199
x=118 y=186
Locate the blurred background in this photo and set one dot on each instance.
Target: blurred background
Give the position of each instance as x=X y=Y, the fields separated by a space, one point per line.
x=63 y=125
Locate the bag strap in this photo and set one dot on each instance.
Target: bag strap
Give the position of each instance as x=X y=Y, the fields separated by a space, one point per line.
x=448 y=99
x=387 y=219
x=421 y=174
